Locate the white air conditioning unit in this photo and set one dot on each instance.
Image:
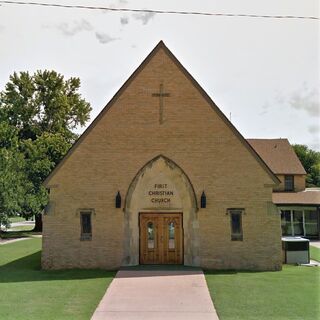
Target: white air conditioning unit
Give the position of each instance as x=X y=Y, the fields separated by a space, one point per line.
x=295 y=250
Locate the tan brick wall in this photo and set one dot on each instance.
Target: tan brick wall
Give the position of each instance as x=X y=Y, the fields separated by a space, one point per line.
x=299 y=183
x=195 y=138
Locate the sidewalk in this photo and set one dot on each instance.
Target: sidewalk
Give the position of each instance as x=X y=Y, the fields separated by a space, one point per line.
x=315 y=243
x=157 y=293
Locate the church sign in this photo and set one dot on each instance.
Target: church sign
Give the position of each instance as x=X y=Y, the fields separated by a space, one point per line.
x=160 y=193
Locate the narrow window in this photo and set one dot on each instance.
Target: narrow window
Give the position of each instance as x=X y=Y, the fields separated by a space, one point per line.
x=86 y=229
x=150 y=228
x=236 y=225
x=171 y=235
x=288 y=183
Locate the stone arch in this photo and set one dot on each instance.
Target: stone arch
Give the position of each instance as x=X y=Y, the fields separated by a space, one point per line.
x=182 y=198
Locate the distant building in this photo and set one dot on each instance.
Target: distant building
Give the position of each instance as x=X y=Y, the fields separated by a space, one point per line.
x=299 y=206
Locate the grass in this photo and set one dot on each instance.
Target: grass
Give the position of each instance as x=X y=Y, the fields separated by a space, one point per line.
x=17 y=219
x=22 y=228
x=27 y=292
x=18 y=234
x=315 y=253
x=292 y=293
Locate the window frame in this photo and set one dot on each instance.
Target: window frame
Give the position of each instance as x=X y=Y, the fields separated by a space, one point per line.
x=85 y=236
x=240 y=212
x=305 y=223
x=291 y=188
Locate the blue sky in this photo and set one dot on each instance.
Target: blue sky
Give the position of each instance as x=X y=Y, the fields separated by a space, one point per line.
x=265 y=72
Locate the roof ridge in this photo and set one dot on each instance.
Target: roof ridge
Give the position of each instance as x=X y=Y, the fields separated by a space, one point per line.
x=161 y=45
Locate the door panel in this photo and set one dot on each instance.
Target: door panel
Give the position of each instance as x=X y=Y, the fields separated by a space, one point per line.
x=172 y=253
x=161 y=238
x=149 y=244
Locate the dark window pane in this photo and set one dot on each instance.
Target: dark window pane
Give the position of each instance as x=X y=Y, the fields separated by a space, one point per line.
x=311 y=222
x=297 y=216
x=236 y=225
x=286 y=215
x=286 y=222
x=86 y=222
x=311 y=229
x=288 y=183
x=235 y=221
x=297 y=223
x=310 y=216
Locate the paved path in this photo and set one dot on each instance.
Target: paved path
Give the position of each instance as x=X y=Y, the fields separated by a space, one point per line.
x=156 y=294
x=6 y=241
x=18 y=224
x=315 y=243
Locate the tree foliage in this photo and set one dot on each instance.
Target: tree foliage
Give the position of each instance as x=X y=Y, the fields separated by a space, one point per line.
x=310 y=160
x=44 y=102
x=13 y=182
x=38 y=117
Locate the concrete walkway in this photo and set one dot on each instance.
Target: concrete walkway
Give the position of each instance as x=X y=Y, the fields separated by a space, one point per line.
x=157 y=294
x=315 y=243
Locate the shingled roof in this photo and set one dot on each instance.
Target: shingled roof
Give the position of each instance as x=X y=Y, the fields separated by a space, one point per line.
x=278 y=154
x=310 y=196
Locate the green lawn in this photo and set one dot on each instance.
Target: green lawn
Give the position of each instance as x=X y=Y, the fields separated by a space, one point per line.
x=27 y=292
x=18 y=234
x=22 y=228
x=290 y=294
x=315 y=253
x=17 y=219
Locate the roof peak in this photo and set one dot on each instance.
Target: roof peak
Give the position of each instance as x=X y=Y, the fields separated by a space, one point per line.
x=196 y=85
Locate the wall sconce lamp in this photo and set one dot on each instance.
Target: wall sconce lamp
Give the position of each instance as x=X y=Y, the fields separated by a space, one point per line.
x=118 y=200
x=203 y=200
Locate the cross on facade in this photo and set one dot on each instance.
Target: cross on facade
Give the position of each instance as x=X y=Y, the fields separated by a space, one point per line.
x=161 y=95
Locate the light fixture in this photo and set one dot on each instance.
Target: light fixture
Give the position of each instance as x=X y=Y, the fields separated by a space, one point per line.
x=118 y=200
x=203 y=200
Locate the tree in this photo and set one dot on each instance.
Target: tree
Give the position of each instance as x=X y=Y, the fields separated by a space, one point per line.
x=13 y=180
x=44 y=109
x=310 y=160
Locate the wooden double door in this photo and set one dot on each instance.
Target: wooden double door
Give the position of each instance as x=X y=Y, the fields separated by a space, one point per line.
x=161 y=238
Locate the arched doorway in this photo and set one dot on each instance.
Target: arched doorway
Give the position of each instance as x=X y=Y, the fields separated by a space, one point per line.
x=159 y=195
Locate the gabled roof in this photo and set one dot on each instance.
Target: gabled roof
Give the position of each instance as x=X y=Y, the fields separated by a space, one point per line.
x=279 y=155
x=162 y=46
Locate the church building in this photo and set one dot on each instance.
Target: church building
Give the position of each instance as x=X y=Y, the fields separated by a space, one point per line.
x=161 y=176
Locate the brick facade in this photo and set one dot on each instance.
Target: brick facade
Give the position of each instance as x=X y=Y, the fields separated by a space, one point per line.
x=194 y=135
x=299 y=182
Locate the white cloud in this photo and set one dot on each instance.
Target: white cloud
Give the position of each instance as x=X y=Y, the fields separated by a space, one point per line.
x=307 y=100
x=314 y=129
x=70 y=29
x=145 y=17
x=124 y=20
x=104 y=37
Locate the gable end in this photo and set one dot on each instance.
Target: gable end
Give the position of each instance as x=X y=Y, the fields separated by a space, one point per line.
x=159 y=46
